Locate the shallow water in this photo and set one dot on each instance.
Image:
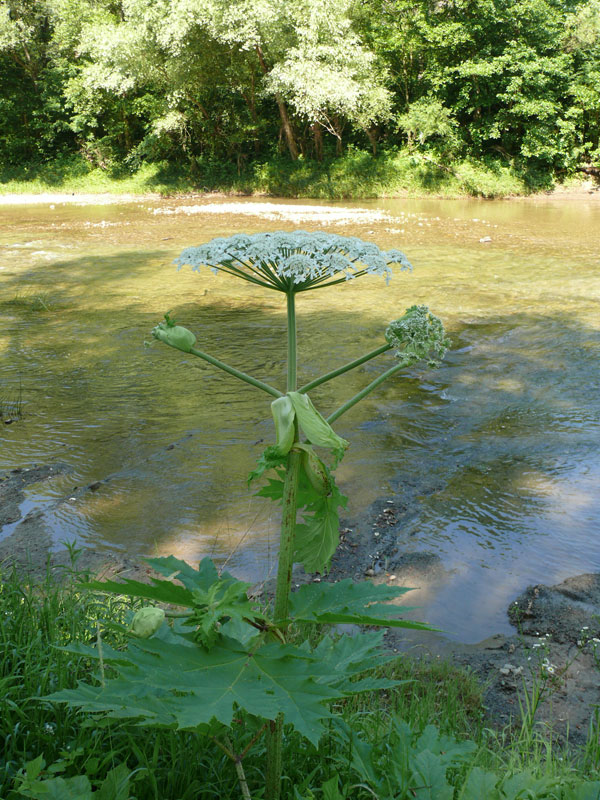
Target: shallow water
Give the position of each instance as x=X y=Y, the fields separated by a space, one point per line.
x=498 y=448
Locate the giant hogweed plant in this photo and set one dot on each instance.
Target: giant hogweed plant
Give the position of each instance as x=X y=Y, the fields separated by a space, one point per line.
x=221 y=653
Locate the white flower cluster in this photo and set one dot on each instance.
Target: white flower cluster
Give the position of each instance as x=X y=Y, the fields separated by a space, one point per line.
x=297 y=260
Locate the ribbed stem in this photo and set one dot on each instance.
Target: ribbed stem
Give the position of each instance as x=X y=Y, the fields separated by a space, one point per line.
x=286 y=542
x=236 y=373
x=340 y=371
x=291 y=341
x=286 y=559
x=367 y=390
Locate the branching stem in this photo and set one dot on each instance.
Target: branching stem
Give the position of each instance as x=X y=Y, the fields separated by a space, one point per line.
x=346 y=368
x=236 y=373
x=367 y=390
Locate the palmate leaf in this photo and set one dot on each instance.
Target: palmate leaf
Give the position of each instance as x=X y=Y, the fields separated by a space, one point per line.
x=347 y=602
x=223 y=601
x=165 y=591
x=173 y=683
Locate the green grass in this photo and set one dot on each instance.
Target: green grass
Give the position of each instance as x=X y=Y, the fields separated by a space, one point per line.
x=36 y=619
x=355 y=175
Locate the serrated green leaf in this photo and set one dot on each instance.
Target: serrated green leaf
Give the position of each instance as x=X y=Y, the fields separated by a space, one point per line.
x=173 y=684
x=353 y=654
x=316 y=539
x=191 y=578
x=116 y=784
x=165 y=591
x=452 y=750
x=34 y=767
x=363 y=603
x=223 y=601
x=429 y=774
x=331 y=789
x=159 y=590
x=77 y=788
x=270 y=458
x=480 y=784
x=273 y=490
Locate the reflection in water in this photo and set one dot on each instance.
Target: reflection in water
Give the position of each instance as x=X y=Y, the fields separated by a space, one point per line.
x=496 y=453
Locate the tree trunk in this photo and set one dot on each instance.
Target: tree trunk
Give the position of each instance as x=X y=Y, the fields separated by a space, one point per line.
x=285 y=120
x=372 y=136
x=318 y=139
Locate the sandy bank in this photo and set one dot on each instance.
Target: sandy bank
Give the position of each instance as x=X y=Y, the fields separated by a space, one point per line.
x=586 y=192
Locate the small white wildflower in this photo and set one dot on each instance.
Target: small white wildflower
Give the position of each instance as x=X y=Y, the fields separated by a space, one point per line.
x=550 y=669
x=585 y=628
x=536 y=645
x=49 y=727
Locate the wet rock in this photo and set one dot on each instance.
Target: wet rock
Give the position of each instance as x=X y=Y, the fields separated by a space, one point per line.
x=562 y=610
x=13 y=483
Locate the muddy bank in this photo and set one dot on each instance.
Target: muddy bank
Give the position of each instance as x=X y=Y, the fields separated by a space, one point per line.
x=553 y=658
x=28 y=545
x=552 y=662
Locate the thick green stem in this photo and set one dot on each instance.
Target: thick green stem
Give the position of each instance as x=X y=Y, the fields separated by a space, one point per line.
x=340 y=371
x=291 y=342
x=285 y=561
x=236 y=373
x=286 y=542
x=367 y=390
x=274 y=759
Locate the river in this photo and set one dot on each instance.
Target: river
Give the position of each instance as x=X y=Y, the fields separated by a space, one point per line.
x=498 y=449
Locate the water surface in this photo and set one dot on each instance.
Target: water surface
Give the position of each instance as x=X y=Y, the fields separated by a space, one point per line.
x=498 y=448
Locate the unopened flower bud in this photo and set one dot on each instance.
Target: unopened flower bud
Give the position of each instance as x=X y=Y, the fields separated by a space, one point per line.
x=175 y=336
x=147 y=621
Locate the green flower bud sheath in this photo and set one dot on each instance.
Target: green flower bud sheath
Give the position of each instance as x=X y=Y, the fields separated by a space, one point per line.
x=284 y=417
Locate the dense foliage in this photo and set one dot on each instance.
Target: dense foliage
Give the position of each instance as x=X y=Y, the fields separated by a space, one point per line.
x=122 y=82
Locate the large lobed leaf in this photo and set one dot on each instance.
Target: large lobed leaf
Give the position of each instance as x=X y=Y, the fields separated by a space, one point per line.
x=169 y=681
x=354 y=603
x=200 y=580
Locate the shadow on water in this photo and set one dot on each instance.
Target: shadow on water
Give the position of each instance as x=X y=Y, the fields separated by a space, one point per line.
x=493 y=457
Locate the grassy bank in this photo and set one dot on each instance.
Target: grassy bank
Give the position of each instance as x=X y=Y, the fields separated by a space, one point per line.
x=49 y=747
x=354 y=175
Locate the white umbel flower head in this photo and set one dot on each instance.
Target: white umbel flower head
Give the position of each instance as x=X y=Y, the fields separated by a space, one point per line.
x=293 y=262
